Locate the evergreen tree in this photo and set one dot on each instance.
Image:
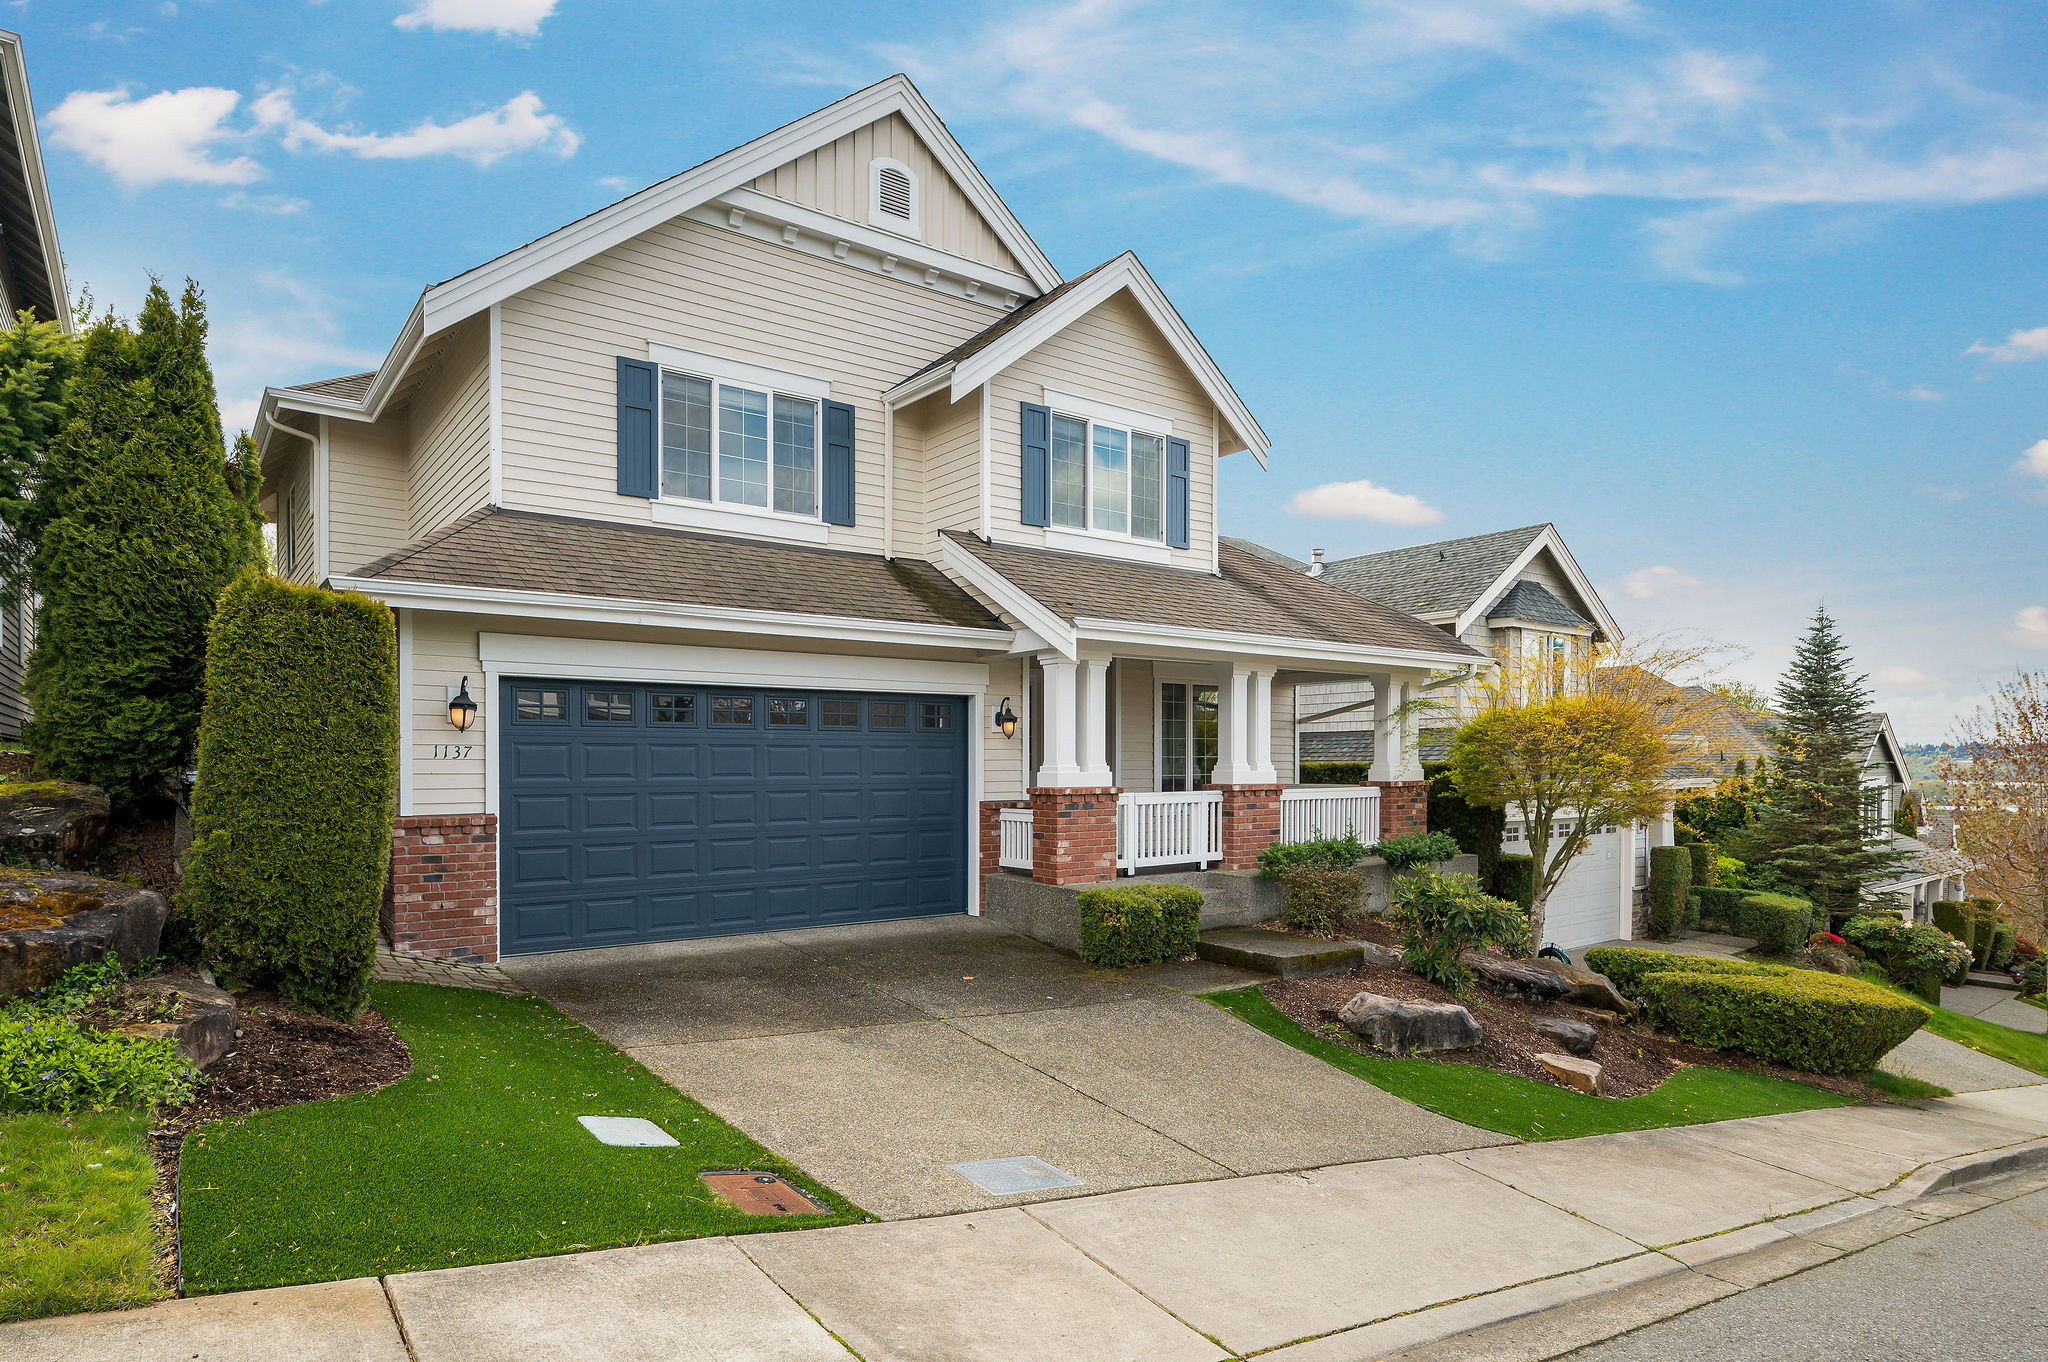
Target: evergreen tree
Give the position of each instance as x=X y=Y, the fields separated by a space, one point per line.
x=139 y=522
x=36 y=363
x=1810 y=829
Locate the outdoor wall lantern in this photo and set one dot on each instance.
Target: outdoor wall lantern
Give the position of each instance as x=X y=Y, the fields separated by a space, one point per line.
x=1006 y=718
x=462 y=709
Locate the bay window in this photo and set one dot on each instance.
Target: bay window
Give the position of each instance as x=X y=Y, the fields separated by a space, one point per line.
x=1106 y=478
x=766 y=452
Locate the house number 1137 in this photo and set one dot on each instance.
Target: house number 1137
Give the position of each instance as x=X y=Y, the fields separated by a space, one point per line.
x=441 y=752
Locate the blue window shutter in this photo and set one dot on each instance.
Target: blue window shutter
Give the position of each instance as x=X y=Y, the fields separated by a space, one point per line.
x=1036 y=431
x=837 y=498
x=639 y=427
x=1176 y=494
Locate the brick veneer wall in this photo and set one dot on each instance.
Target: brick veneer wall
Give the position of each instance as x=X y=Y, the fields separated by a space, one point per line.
x=1404 y=807
x=992 y=837
x=1073 y=834
x=444 y=885
x=1251 y=823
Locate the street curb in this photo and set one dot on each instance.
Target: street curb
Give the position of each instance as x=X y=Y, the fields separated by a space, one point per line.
x=1958 y=1172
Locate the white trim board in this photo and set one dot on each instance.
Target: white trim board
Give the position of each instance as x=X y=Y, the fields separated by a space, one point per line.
x=764 y=217
x=738 y=372
x=1545 y=538
x=1107 y=413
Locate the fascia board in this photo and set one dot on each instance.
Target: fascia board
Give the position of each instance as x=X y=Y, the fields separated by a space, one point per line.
x=925 y=121
x=1471 y=613
x=1580 y=584
x=1269 y=645
x=1517 y=622
x=1008 y=596
x=23 y=104
x=919 y=388
x=669 y=614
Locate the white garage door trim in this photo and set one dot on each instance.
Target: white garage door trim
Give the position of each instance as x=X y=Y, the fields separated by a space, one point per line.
x=1619 y=921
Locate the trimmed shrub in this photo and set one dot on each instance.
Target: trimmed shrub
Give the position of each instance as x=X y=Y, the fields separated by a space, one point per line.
x=1137 y=924
x=1948 y=915
x=1720 y=908
x=1629 y=966
x=1779 y=922
x=2035 y=980
x=1983 y=926
x=1442 y=916
x=1730 y=873
x=1515 y=879
x=1820 y=1023
x=1336 y=772
x=298 y=782
x=1705 y=863
x=1691 y=919
x=1670 y=877
x=1320 y=897
x=1416 y=848
x=1281 y=858
x=2003 y=938
x=1916 y=957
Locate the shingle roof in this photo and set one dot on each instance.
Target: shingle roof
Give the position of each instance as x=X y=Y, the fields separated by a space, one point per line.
x=1533 y=601
x=347 y=388
x=1444 y=578
x=529 y=551
x=1007 y=323
x=1432 y=746
x=1270 y=555
x=1249 y=595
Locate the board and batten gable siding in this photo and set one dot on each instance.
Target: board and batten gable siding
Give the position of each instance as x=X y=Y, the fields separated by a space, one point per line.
x=716 y=292
x=1113 y=354
x=835 y=179
x=450 y=423
x=368 y=491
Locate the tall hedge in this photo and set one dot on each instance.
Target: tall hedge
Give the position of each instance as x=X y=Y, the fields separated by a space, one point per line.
x=1477 y=827
x=1704 y=855
x=298 y=784
x=139 y=521
x=1983 y=915
x=1670 y=877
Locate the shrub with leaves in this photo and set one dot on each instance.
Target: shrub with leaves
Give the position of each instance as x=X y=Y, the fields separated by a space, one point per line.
x=1908 y=952
x=1670 y=878
x=1730 y=873
x=1320 y=897
x=2035 y=979
x=1441 y=916
x=1277 y=860
x=1137 y=924
x=1416 y=848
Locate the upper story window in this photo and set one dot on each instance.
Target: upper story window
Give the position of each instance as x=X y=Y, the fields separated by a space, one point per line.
x=1107 y=478
x=744 y=446
x=892 y=196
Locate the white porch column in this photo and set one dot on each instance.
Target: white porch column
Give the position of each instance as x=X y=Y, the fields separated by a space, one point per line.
x=1261 y=747
x=1233 y=727
x=1061 y=767
x=1394 y=758
x=1094 y=722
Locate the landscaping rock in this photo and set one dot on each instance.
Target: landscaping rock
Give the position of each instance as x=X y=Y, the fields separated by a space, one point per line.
x=1410 y=1028
x=1587 y=988
x=1574 y=1036
x=199 y=1016
x=64 y=920
x=1383 y=957
x=1582 y=1074
x=52 y=824
x=1517 y=979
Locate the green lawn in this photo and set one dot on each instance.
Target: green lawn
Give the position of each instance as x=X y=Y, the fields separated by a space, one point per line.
x=1513 y=1105
x=75 y=1226
x=474 y=1157
x=2027 y=1049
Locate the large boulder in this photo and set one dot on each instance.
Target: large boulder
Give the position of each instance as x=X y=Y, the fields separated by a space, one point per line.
x=1410 y=1028
x=1521 y=980
x=197 y=1015
x=1574 y=1036
x=1588 y=989
x=1384 y=957
x=50 y=922
x=51 y=824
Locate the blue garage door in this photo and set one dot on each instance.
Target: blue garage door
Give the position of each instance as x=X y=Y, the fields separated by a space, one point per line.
x=646 y=813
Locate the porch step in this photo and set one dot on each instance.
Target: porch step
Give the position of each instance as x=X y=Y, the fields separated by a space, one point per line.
x=1987 y=979
x=1289 y=956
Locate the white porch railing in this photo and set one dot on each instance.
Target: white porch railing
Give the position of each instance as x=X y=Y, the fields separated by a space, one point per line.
x=1168 y=829
x=1013 y=844
x=1310 y=811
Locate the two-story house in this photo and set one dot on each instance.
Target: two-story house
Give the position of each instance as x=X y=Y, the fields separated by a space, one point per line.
x=809 y=548
x=1926 y=872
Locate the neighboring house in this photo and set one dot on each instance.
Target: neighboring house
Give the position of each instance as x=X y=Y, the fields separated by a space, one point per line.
x=1929 y=873
x=811 y=549
x=31 y=278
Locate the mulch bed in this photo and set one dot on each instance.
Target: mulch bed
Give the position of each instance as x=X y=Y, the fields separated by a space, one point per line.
x=1635 y=1059
x=139 y=851
x=281 y=1057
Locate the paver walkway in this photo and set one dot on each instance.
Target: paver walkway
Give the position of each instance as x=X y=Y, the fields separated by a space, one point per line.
x=1995 y=1005
x=1352 y=1262
x=878 y=1056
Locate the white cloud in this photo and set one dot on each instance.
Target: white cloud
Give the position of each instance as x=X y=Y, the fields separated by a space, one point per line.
x=171 y=135
x=275 y=204
x=1649 y=582
x=2033 y=462
x=2016 y=348
x=2030 y=627
x=1364 y=500
x=508 y=18
x=1920 y=392
x=521 y=123
x=1905 y=678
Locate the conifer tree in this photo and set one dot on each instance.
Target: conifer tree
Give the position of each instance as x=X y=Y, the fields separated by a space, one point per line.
x=1811 y=828
x=140 y=522
x=36 y=363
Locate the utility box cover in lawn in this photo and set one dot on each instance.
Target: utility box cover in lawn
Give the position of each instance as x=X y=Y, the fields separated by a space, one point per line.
x=635 y=1132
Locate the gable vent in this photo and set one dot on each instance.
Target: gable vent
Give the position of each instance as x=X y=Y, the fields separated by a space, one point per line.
x=892 y=192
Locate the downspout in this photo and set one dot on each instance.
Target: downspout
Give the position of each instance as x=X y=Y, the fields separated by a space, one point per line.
x=888 y=479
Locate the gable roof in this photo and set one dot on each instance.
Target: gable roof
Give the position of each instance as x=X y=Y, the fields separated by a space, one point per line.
x=348 y=387
x=453 y=300
x=1882 y=742
x=982 y=356
x=1270 y=555
x=1533 y=601
x=28 y=224
x=1458 y=580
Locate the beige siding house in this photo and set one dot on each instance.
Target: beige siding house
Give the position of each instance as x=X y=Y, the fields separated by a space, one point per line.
x=812 y=551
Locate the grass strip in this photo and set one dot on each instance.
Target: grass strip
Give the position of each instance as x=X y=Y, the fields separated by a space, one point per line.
x=474 y=1157
x=2024 y=1048
x=1513 y=1105
x=76 y=1228
x=1904 y=1088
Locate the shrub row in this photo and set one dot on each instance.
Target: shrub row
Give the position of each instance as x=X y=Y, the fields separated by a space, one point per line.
x=1336 y=772
x=1514 y=879
x=1629 y=966
x=1137 y=924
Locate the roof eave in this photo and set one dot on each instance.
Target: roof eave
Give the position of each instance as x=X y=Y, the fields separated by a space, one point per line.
x=15 y=68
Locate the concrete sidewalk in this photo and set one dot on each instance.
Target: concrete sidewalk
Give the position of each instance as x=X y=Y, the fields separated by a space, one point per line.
x=1353 y=1261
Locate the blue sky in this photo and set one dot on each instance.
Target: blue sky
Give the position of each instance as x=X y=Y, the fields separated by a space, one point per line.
x=1750 y=299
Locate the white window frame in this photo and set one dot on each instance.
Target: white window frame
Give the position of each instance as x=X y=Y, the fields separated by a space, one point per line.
x=889 y=222
x=736 y=516
x=1092 y=413
x=1160 y=681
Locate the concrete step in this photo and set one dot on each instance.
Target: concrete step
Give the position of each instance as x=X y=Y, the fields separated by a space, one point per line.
x=1281 y=953
x=1987 y=979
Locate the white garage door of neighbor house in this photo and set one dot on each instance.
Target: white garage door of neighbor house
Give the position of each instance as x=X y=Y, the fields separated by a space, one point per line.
x=1585 y=909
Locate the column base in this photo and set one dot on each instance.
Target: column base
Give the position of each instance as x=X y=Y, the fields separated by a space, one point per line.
x=1404 y=807
x=444 y=886
x=1251 y=822
x=1073 y=833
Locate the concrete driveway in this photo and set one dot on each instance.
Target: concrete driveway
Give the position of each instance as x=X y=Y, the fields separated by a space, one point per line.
x=878 y=1055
